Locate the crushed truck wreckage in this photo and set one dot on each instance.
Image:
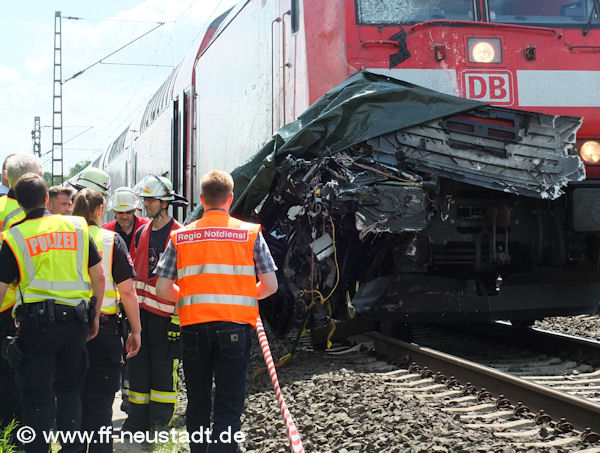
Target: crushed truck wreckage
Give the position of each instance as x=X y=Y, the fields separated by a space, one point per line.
x=395 y=202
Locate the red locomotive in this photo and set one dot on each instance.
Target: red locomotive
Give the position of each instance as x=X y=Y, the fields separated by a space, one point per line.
x=459 y=244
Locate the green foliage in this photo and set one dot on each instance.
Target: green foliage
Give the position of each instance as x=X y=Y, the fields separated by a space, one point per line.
x=6 y=438
x=78 y=167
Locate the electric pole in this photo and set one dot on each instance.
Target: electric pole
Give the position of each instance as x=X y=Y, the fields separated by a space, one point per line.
x=57 y=132
x=36 y=136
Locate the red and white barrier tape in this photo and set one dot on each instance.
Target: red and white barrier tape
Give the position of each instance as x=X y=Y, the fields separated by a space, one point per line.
x=292 y=432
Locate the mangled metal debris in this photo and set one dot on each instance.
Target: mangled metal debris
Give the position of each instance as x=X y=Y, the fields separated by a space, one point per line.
x=399 y=203
x=512 y=151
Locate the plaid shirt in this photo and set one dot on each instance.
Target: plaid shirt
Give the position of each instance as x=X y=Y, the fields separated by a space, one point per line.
x=263 y=261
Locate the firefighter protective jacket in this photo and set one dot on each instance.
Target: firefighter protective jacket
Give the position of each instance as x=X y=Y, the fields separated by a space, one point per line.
x=10 y=213
x=104 y=240
x=145 y=287
x=139 y=221
x=52 y=253
x=215 y=270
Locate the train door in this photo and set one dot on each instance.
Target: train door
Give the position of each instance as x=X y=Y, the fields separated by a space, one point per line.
x=284 y=32
x=189 y=165
x=182 y=165
x=177 y=147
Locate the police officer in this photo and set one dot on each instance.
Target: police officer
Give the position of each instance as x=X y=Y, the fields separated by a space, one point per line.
x=126 y=223
x=103 y=376
x=153 y=372
x=216 y=262
x=55 y=264
x=16 y=165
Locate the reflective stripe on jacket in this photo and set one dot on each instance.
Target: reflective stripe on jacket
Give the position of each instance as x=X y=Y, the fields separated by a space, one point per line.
x=215 y=270
x=53 y=255
x=10 y=213
x=105 y=241
x=145 y=287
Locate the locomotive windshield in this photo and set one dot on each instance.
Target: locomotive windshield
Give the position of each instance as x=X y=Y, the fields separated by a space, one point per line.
x=376 y=12
x=542 y=12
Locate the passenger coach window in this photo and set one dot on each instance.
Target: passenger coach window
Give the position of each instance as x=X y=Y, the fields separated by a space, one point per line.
x=382 y=12
x=542 y=12
x=295 y=13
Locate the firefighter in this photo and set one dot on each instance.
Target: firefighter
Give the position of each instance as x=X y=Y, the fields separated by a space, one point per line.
x=55 y=264
x=16 y=165
x=124 y=204
x=126 y=223
x=61 y=200
x=216 y=262
x=153 y=372
x=104 y=373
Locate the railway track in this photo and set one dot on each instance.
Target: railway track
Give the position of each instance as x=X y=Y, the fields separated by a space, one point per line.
x=517 y=392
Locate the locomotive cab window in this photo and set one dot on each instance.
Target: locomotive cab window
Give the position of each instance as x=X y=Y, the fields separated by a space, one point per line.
x=543 y=12
x=383 y=12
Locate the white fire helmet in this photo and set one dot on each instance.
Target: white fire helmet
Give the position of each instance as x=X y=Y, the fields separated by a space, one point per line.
x=159 y=187
x=93 y=178
x=124 y=199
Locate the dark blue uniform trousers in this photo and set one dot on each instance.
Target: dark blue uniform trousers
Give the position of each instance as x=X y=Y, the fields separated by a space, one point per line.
x=55 y=364
x=102 y=381
x=10 y=407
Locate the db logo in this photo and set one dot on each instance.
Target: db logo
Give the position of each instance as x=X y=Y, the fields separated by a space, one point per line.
x=496 y=88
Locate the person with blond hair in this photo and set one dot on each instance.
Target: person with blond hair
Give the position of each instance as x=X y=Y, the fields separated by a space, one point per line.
x=211 y=268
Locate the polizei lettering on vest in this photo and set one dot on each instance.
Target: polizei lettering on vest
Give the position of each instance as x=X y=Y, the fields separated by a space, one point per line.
x=212 y=234
x=51 y=241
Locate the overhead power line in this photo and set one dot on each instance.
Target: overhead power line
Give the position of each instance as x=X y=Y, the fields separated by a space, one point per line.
x=160 y=24
x=141 y=64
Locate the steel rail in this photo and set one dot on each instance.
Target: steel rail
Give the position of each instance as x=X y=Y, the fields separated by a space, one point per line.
x=540 y=338
x=580 y=413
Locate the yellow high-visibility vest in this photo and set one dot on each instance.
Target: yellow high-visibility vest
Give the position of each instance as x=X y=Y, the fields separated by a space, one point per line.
x=105 y=240
x=53 y=256
x=10 y=213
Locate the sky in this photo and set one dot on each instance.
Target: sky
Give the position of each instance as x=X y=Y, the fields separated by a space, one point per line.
x=100 y=103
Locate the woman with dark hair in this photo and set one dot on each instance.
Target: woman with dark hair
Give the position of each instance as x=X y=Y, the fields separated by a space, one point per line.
x=104 y=373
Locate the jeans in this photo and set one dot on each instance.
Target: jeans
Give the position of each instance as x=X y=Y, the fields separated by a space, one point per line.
x=219 y=350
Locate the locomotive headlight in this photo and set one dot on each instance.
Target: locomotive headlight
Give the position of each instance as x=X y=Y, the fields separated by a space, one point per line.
x=590 y=152
x=484 y=50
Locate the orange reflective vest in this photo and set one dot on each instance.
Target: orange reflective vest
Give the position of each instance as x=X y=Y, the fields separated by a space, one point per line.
x=145 y=285
x=215 y=270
